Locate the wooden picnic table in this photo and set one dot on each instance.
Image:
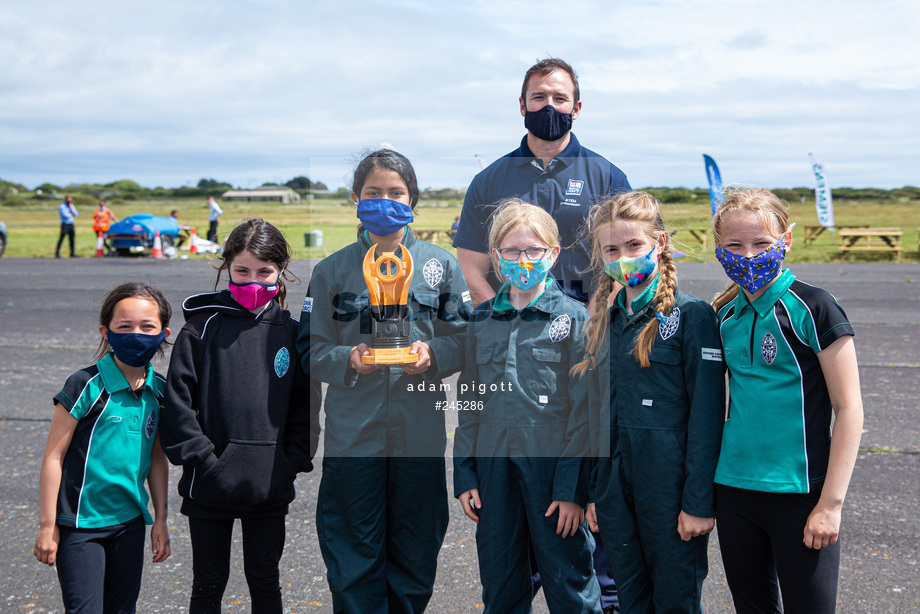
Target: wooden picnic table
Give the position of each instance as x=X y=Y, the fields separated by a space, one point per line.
x=433 y=235
x=813 y=232
x=871 y=240
x=697 y=234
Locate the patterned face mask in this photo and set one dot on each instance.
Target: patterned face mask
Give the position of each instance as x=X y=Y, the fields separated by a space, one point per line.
x=755 y=272
x=525 y=274
x=632 y=272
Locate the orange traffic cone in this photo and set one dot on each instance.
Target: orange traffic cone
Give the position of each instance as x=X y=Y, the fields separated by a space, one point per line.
x=193 y=242
x=157 y=246
x=100 y=245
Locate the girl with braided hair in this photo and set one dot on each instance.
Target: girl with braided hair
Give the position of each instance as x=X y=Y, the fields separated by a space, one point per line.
x=658 y=388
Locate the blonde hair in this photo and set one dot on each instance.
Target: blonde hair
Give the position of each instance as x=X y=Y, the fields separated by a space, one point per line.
x=512 y=215
x=642 y=208
x=762 y=202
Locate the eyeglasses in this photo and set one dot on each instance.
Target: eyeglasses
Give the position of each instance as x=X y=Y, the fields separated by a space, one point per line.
x=532 y=253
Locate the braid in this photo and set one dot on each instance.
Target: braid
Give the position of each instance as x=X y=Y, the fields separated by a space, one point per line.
x=725 y=297
x=665 y=296
x=596 y=330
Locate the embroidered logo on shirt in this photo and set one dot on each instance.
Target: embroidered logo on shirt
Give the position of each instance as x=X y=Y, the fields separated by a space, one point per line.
x=433 y=272
x=667 y=328
x=768 y=348
x=712 y=354
x=151 y=426
x=560 y=328
x=575 y=187
x=282 y=362
x=307 y=305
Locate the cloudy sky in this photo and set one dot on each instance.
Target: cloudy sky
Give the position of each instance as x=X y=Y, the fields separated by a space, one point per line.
x=168 y=92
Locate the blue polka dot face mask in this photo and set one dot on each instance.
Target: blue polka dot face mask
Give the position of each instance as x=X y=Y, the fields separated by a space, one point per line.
x=754 y=272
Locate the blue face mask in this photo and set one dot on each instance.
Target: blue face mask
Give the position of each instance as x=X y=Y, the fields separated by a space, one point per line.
x=547 y=123
x=382 y=216
x=135 y=349
x=755 y=272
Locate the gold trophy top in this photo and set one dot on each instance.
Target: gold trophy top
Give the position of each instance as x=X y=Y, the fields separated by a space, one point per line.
x=386 y=288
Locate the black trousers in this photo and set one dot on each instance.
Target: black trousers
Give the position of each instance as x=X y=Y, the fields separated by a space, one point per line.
x=263 y=543
x=100 y=569
x=212 y=231
x=66 y=231
x=760 y=536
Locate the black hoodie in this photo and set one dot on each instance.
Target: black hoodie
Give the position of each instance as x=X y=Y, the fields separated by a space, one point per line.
x=237 y=409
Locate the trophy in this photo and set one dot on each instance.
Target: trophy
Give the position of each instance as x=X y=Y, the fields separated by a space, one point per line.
x=388 y=280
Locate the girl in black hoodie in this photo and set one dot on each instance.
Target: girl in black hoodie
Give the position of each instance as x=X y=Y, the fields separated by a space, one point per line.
x=237 y=418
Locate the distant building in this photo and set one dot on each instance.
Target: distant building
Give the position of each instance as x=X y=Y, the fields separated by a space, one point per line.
x=266 y=193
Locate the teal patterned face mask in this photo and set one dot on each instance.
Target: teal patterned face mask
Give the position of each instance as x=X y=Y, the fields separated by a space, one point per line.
x=755 y=272
x=632 y=272
x=525 y=274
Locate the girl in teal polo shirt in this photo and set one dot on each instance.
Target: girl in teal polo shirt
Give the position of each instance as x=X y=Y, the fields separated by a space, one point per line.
x=659 y=383
x=782 y=474
x=102 y=446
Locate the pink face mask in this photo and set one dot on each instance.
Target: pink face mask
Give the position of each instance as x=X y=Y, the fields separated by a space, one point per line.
x=254 y=294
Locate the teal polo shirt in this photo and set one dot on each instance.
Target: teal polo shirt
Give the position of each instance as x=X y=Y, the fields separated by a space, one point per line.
x=107 y=462
x=777 y=436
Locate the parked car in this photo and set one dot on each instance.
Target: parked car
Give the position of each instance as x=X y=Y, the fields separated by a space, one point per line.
x=134 y=234
x=2 y=238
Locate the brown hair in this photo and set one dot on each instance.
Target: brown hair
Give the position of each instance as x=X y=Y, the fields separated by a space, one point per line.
x=263 y=241
x=512 y=215
x=131 y=289
x=545 y=67
x=642 y=208
x=772 y=212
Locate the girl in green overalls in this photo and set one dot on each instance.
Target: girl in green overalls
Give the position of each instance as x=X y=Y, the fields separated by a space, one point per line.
x=520 y=470
x=381 y=512
x=659 y=382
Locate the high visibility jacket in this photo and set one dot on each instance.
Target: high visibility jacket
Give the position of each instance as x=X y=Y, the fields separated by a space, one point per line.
x=101 y=219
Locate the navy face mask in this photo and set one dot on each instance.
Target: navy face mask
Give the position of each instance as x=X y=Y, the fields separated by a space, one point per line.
x=135 y=349
x=382 y=216
x=547 y=123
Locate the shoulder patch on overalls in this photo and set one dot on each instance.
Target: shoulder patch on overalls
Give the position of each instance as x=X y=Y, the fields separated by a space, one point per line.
x=669 y=327
x=768 y=348
x=560 y=328
x=433 y=272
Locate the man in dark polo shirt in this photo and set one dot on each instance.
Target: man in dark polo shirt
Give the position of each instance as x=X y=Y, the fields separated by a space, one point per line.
x=551 y=170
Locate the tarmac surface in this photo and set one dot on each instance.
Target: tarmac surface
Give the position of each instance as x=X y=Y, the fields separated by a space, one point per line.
x=49 y=328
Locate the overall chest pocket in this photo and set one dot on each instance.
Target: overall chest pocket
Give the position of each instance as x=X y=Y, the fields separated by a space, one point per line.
x=423 y=307
x=664 y=379
x=548 y=369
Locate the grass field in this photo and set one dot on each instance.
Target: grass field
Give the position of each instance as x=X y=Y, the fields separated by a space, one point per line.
x=33 y=229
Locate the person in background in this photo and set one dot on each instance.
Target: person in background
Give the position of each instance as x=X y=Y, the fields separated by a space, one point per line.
x=183 y=230
x=68 y=212
x=102 y=219
x=214 y=213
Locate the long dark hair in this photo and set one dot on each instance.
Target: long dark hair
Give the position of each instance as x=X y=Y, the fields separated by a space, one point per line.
x=263 y=241
x=131 y=289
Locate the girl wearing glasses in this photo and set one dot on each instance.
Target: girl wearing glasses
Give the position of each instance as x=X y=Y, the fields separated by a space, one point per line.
x=519 y=470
